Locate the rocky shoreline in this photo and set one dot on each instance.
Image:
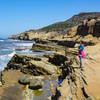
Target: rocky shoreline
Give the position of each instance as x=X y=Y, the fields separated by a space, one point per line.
x=37 y=70
x=33 y=72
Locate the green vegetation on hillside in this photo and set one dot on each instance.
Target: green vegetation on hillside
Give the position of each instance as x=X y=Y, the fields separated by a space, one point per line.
x=73 y=21
x=57 y=27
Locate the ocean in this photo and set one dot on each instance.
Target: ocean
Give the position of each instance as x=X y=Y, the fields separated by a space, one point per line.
x=10 y=47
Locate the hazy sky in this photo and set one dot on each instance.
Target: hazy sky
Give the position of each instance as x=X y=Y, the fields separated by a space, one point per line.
x=17 y=16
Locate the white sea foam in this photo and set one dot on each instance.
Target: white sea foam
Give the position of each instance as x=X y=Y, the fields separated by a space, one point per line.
x=10 y=55
x=23 y=44
x=12 y=40
x=4 y=59
x=7 y=56
x=26 y=50
x=1 y=40
x=10 y=47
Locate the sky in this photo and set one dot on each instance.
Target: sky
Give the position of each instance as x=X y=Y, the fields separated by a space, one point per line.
x=17 y=16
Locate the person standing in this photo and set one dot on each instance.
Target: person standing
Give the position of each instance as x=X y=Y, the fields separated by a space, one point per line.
x=81 y=53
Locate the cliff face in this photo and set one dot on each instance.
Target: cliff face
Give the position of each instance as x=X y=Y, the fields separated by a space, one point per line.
x=32 y=35
x=61 y=28
x=88 y=26
x=91 y=26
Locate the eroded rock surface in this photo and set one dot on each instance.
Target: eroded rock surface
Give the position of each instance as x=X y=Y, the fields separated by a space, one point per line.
x=32 y=65
x=90 y=26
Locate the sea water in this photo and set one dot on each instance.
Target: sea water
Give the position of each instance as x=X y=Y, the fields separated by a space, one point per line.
x=10 y=47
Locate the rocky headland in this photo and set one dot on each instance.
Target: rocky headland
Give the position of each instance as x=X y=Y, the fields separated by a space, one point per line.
x=26 y=76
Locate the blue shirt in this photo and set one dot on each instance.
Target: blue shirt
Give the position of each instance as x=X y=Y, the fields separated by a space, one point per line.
x=81 y=48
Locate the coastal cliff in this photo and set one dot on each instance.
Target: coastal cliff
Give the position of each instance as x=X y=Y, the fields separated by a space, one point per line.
x=33 y=72
x=57 y=29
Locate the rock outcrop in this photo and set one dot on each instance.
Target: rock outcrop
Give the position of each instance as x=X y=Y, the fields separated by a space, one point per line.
x=46 y=47
x=32 y=65
x=74 y=85
x=56 y=59
x=90 y=26
x=32 y=35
